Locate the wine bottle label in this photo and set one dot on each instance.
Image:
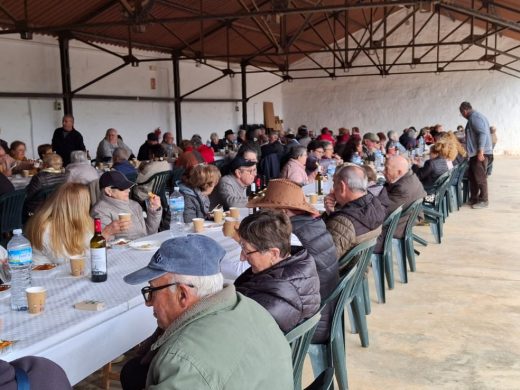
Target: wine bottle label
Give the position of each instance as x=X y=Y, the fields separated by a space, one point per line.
x=98 y=258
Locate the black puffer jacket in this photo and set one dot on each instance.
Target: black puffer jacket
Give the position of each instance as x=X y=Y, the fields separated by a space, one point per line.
x=289 y=290
x=314 y=236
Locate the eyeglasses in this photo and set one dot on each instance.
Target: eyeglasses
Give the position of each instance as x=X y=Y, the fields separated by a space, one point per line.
x=148 y=290
x=247 y=253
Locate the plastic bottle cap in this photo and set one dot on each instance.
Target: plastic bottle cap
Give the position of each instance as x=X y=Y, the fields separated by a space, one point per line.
x=17 y=231
x=176 y=188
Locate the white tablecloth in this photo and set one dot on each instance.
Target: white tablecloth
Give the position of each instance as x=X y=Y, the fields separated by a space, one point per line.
x=83 y=341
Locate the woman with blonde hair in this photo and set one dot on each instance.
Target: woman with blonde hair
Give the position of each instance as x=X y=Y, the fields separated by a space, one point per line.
x=457 y=153
x=62 y=227
x=196 y=188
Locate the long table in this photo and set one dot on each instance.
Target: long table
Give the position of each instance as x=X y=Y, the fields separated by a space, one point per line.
x=81 y=342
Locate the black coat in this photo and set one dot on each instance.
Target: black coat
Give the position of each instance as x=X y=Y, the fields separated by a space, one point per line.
x=314 y=236
x=64 y=145
x=430 y=171
x=5 y=185
x=38 y=182
x=289 y=290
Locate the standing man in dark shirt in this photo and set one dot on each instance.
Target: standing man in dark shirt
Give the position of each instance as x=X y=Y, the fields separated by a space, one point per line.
x=67 y=139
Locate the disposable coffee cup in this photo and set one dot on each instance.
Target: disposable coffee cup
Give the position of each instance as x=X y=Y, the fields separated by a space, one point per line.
x=77 y=265
x=25 y=173
x=313 y=198
x=124 y=217
x=234 y=212
x=230 y=226
x=198 y=224
x=218 y=215
x=36 y=299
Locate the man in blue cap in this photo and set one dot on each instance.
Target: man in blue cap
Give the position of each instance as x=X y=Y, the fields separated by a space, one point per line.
x=213 y=337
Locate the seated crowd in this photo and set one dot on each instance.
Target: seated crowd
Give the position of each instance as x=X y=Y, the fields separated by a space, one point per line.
x=206 y=331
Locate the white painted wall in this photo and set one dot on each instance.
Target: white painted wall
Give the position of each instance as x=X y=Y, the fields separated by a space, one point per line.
x=33 y=66
x=396 y=102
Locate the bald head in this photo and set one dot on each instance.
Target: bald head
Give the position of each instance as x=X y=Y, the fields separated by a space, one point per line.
x=395 y=168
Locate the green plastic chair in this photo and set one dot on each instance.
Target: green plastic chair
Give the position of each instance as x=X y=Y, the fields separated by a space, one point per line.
x=11 y=208
x=346 y=292
x=299 y=338
x=382 y=262
x=404 y=245
x=332 y=352
x=357 y=308
x=458 y=187
x=159 y=182
x=435 y=213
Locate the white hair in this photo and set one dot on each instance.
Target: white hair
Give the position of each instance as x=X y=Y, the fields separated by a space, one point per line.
x=78 y=156
x=205 y=285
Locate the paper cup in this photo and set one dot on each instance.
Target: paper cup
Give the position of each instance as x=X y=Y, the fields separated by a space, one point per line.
x=124 y=216
x=234 y=212
x=198 y=224
x=77 y=265
x=229 y=228
x=36 y=299
x=25 y=173
x=218 y=215
x=313 y=198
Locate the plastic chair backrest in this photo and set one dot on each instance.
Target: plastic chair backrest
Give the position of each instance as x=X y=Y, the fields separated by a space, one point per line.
x=391 y=224
x=463 y=166
x=361 y=255
x=159 y=181
x=440 y=187
x=412 y=211
x=11 y=207
x=299 y=338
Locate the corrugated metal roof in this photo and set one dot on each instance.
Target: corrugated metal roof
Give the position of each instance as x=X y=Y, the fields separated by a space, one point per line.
x=269 y=33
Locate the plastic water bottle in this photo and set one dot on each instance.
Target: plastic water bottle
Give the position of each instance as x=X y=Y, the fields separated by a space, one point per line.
x=331 y=168
x=356 y=159
x=380 y=161
x=19 y=255
x=177 y=212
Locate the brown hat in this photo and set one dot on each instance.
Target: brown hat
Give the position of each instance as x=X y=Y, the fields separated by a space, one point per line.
x=283 y=194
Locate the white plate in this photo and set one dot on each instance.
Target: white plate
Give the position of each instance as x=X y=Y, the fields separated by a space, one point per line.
x=145 y=245
x=119 y=243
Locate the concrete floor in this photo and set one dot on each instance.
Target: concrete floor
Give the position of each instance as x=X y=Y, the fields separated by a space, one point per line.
x=456 y=324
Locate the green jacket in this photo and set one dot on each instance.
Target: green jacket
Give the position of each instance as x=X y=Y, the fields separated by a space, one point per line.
x=225 y=341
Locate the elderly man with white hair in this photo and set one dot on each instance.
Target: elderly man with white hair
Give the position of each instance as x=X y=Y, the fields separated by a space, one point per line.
x=79 y=170
x=403 y=187
x=212 y=337
x=354 y=214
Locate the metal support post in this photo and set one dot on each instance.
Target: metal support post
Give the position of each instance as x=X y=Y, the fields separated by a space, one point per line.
x=244 y=93
x=65 y=75
x=177 y=97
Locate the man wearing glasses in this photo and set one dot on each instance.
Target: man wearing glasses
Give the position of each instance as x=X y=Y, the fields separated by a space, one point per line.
x=212 y=336
x=231 y=189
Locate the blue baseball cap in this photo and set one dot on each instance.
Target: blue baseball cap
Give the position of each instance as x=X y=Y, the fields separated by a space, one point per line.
x=194 y=255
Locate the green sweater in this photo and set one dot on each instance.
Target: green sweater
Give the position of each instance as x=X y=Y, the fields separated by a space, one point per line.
x=225 y=341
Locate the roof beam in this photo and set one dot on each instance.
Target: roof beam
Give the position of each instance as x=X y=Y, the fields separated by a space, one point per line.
x=224 y=16
x=482 y=16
